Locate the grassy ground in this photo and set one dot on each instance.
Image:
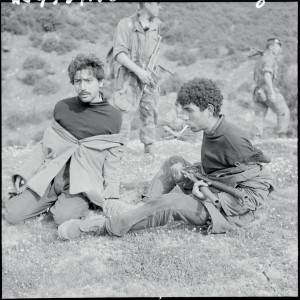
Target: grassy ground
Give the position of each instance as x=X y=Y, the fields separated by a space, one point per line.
x=174 y=260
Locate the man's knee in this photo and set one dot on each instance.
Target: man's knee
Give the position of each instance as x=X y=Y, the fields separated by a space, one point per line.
x=175 y=159
x=66 y=211
x=14 y=211
x=13 y=217
x=63 y=216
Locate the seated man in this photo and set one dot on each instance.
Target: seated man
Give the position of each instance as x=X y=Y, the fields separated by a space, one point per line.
x=227 y=156
x=76 y=166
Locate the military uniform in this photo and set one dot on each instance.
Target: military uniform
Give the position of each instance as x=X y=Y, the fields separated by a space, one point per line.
x=261 y=96
x=129 y=96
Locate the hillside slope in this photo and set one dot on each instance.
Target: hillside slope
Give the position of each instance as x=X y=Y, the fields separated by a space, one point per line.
x=212 y=47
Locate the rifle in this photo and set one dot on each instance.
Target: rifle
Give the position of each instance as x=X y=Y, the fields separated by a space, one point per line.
x=151 y=66
x=257 y=52
x=194 y=174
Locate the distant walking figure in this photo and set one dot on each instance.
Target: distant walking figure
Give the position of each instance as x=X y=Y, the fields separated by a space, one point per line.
x=266 y=95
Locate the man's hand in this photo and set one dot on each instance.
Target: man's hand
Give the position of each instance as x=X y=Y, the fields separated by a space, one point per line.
x=196 y=190
x=19 y=184
x=176 y=171
x=145 y=76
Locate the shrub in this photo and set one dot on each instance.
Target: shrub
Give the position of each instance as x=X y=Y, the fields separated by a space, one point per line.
x=49 y=44
x=80 y=33
x=34 y=62
x=14 y=26
x=187 y=59
x=61 y=46
x=45 y=86
x=174 y=33
x=36 y=40
x=173 y=55
x=65 y=45
x=49 y=20
x=30 y=78
x=18 y=119
x=171 y=84
x=183 y=57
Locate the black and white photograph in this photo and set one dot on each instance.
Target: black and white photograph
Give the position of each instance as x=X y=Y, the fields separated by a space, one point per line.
x=149 y=149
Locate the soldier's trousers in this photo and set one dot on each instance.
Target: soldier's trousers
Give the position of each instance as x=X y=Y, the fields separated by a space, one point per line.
x=130 y=100
x=279 y=107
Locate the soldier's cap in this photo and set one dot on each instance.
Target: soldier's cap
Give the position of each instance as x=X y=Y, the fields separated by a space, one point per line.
x=273 y=41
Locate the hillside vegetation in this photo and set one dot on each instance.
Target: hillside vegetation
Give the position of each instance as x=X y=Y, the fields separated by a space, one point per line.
x=199 y=39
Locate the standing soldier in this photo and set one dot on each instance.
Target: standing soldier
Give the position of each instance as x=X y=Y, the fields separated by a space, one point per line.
x=265 y=94
x=135 y=87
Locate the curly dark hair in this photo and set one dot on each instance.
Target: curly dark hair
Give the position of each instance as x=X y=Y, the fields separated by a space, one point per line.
x=201 y=92
x=86 y=61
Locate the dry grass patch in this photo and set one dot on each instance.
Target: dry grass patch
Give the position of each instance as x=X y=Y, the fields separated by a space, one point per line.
x=173 y=260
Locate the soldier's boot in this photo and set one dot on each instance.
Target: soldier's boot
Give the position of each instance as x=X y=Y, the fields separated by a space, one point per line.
x=115 y=207
x=72 y=229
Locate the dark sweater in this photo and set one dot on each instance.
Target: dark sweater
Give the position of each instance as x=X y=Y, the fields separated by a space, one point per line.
x=86 y=120
x=225 y=145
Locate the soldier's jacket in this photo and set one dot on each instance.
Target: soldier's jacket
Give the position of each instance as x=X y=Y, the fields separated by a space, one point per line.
x=136 y=43
x=266 y=63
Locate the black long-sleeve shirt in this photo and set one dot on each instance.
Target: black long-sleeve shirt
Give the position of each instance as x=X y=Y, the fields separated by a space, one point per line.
x=224 y=146
x=85 y=120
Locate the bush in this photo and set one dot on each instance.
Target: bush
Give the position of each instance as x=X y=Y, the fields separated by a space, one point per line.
x=49 y=44
x=49 y=20
x=18 y=119
x=36 y=40
x=187 y=59
x=15 y=27
x=174 y=33
x=171 y=84
x=65 y=45
x=173 y=55
x=30 y=78
x=61 y=46
x=80 y=33
x=45 y=86
x=34 y=62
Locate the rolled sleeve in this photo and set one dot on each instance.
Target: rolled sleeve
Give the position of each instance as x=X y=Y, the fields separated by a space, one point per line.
x=268 y=66
x=122 y=37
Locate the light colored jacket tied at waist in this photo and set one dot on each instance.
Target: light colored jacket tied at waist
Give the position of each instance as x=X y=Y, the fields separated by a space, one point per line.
x=255 y=181
x=94 y=163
